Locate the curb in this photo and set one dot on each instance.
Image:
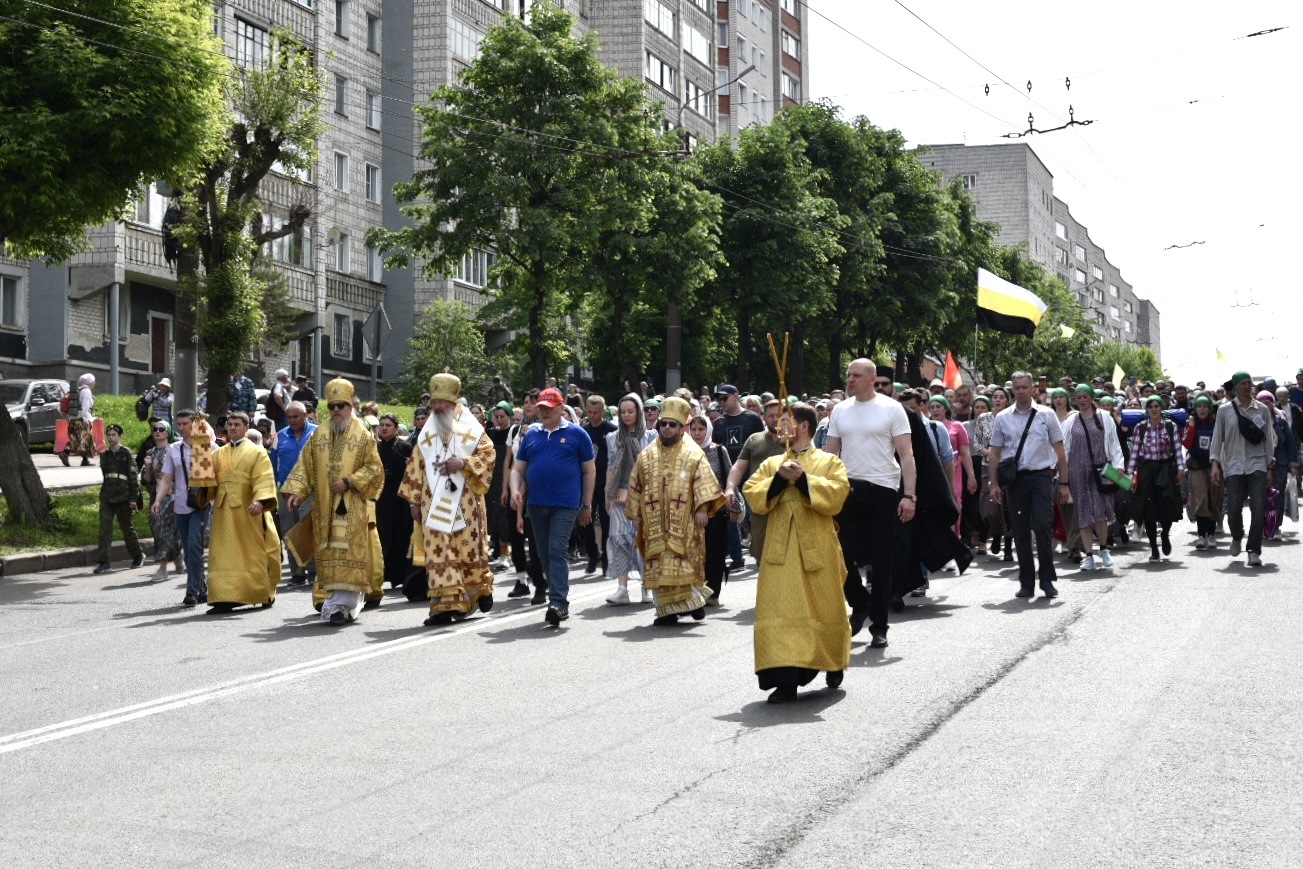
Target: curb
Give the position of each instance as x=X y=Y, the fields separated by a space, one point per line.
x=65 y=559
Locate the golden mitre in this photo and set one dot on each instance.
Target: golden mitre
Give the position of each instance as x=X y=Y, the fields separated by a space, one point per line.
x=445 y=387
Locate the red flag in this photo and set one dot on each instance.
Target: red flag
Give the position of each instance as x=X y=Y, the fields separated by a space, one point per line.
x=951 y=377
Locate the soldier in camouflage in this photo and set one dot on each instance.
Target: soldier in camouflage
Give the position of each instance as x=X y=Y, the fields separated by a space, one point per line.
x=119 y=497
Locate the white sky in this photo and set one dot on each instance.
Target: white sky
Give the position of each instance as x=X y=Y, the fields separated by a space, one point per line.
x=1152 y=171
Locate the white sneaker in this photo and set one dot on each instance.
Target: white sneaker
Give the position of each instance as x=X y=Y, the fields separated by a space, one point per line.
x=620 y=597
x=1105 y=560
x=950 y=567
x=646 y=595
x=1201 y=542
x=1088 y=563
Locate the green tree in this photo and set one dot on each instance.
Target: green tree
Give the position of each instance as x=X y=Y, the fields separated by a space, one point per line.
x=446 y=338
x=779 y=236
x=98 y=98
x=273 y=122
x=1135 y=361
x=523 y=156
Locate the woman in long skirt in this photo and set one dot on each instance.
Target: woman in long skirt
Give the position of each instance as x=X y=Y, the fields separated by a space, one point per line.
x=623 y=446
x=167 y=541
x=1157 y=467
x=1205 y=496
x=1090 y=439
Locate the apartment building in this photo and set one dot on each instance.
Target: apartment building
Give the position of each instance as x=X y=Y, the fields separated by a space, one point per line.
x=1012 y=187
x=761 y=60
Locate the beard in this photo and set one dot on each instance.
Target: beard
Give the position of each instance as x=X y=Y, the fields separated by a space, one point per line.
x=339 y=426
x=671 y=440
x=443 y=420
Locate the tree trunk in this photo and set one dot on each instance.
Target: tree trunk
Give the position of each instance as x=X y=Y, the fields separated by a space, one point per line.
x=217 y=381
x=914 y=371
x=796 y=374
x=20 y=483
x=835 y=350
x=537 y=351
x=743 y=350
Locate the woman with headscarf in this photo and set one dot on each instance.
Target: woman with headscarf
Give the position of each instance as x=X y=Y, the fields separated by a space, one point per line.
x=1157 y=468
x=1206 y=497
x=972 y=509
x=622 y=447
x=717 y=526
x=81 y=416
x=167 y=542
x=1090 y=441
x=938 y=408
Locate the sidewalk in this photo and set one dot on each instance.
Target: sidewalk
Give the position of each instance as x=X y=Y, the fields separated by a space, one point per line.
x=55 y=477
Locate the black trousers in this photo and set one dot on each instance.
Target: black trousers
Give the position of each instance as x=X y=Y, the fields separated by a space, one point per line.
x=716 y=551
x=866 y=527
x=588 y=533
x=1031 y=505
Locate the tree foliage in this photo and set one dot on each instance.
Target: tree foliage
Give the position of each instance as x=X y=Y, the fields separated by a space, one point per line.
x=1138 y=362
x=446 y=339
x=99 y=98
x=273 y=123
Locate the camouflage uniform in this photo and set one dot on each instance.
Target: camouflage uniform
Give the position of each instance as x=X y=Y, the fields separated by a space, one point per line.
x=119 y=490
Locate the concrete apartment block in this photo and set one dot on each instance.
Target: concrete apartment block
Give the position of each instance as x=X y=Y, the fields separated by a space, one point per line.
x=766 y=35
x=1012 y=187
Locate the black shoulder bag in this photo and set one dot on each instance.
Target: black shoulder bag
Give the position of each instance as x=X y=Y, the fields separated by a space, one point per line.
x=1248 y=430
x=1104 y=484
x=1006 y=473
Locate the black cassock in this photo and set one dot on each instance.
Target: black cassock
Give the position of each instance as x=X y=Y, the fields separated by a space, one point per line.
x=393 y=515
x=929 y=538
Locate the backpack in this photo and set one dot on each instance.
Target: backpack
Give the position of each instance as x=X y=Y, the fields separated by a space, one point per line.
x=142 y=408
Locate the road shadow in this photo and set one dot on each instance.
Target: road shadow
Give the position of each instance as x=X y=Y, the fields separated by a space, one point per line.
x=927 y=609
x=157 y=611
x=646 y=633
x=416 y=630
x=538 y=630
x=601 y=613
x=1242 y=569
x=19 y=590
x=805 y=709
x=291 y=629
x=1147 y=566
x=145 y=583
x=743 y=618
x=1018 y=605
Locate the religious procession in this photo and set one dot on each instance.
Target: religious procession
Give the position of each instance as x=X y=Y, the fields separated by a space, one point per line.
x=849 y=505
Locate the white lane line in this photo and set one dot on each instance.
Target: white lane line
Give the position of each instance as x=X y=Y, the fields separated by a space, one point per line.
x=98 y=721
x=59 y=637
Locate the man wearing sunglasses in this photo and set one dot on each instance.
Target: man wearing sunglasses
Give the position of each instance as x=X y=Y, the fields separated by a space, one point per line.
x=672 y=494
x=447 y=477
x=340 y=467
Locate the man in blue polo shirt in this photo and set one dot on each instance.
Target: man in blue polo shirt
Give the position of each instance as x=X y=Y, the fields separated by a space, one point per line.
x=554 y=473
x=289 y=443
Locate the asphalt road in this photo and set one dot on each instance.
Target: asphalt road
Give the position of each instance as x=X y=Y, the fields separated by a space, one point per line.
x=1150 y=716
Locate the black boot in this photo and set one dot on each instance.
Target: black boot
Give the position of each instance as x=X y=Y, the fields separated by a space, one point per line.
x=995 y=545
x=1008 y=549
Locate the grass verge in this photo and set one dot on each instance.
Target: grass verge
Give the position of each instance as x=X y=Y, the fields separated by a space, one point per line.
x=74 y=521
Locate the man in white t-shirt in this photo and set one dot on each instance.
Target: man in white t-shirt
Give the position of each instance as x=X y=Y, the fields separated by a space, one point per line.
x=869 y=430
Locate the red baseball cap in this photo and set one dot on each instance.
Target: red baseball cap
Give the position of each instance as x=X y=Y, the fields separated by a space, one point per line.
x=551 y=398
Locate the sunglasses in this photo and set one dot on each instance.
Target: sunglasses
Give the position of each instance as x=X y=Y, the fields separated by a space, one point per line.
x=650 y=410
x=158 y=429
x=667 y=423
x=338 y=405
x=878 y=384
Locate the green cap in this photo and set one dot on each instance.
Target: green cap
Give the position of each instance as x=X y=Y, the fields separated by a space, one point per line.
x=941 y=399
x=1238 y=376
x=1058 y=390
x=1203 y=399
x=505 y=405
x=1155 y=398
x=1082 y=387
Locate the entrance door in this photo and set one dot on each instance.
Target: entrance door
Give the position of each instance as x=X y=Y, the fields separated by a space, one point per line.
x=158 y=345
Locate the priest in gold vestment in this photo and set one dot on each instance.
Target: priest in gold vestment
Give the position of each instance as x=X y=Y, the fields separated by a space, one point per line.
x=447 y=476
x=340 y=467
x=801 y=625
x=672 y=495
x=244 y=562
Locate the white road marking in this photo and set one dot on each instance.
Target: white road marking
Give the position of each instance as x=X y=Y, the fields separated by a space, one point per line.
x=64 y=729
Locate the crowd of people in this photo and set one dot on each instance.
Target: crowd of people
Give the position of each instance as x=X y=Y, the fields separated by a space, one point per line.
x=848 y=503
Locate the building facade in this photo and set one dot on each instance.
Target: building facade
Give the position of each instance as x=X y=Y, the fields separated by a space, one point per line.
x=1012 y=187
x=761 y=61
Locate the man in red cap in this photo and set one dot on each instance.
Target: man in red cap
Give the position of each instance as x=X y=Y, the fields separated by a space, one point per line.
x=553 y=475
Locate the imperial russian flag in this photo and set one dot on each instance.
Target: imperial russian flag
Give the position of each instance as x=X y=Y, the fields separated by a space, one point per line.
x=1007 y=307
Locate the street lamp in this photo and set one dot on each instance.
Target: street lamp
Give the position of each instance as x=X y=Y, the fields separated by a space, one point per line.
x=674 y=311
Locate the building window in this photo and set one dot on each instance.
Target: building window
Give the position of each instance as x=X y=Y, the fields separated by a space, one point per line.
x=341 y=172
x=791 y=88
x=696 y=44
x=1098 y=295
x=744 y=8
x=341 y=18
x=341 y=95
x=659 y=15
x=341 y=341
x=742 y=54
x=760 y=15
x=465 y=40
x=970 y=182
x=721 y=34
x=1126 y=326
x=1113 y=290
x=1113 y=311
x=374 y=268
x=695 y=98
x=474 y=268
x=742 y=94
x=1060 y=256
x=250 y=44
x=1078 y=275
x=143 y=202
x=789 y=6
x=1126 y=306
x=661 y=74
x=791 y=45
x=372 y=183
x=343 y=261
x=294 y=249
x=703 y=5
x=373 y=110
x=1079 y=252
x=9 y=308
x=1098 y=273
x=762 y=109
x=1099 y=317
x=1061 y=231
x=721 y=77
x=373 y=34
